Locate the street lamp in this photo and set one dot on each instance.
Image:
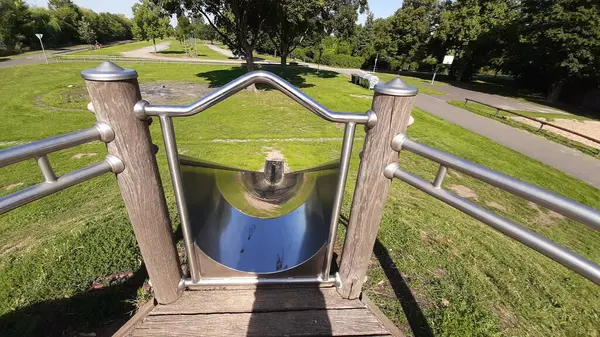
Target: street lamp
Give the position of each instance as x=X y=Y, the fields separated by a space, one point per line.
x=39 y=36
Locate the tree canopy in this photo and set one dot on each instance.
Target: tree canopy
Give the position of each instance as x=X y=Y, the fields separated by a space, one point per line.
x=150 y=22
x=62 y=23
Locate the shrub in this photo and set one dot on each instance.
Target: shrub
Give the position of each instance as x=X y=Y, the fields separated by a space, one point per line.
x=341 y=60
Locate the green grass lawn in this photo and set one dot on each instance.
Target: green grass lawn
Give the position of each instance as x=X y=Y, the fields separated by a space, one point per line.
x=490 y=113
x=467 y=279
x=176 y=50
x=116 y=50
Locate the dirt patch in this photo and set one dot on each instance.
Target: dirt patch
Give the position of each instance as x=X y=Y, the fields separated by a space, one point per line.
x=464 y=191
x=508 y=320
x=588 y=128
x=163 y=92
x=545 y=218
x=274 y=154
x=82 y=155
x=13 y=186
x=361 y=96
x=495 y=205
x=10 y=248
x=169 y=92
x=439 y=272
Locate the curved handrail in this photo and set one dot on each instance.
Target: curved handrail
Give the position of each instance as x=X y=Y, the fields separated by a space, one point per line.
x=145 y=109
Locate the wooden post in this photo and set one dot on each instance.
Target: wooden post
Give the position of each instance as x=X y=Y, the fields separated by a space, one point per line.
x=392 y=103
x=114 y=91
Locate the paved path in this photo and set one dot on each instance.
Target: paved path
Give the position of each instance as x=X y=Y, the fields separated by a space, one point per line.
x=220 y=50
x=36 y=58
x=562 y=158
x=147 y=52
x=565 y=159
x=454 y=93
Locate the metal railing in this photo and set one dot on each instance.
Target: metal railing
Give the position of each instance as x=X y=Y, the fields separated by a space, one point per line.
x=165 y=113
x=562 y=205
x=39 y=151
x=542 y=123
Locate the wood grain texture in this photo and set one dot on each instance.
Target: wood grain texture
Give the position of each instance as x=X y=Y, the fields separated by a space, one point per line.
x=259 y=300
x=142 y=312
x=387 y=323
x=371 y=190
x=348 y=322
x=139 y=183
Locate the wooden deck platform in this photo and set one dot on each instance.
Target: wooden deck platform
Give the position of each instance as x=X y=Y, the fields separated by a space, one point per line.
x=299 y=311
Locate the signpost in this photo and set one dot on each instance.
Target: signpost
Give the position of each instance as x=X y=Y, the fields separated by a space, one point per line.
x=448 y=59
x=39 y=36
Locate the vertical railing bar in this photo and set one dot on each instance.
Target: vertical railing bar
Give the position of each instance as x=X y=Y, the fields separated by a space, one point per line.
x=439 y=177
x=339 y=194
x=174 y=167
x=46 y=168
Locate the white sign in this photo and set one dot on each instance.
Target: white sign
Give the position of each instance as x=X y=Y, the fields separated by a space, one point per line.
x=39 y=36
x=448 y=59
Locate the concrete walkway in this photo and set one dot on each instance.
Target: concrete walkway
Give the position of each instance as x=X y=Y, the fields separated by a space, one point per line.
x=220 y=50
x=147 y=52
x=565 y=159
x=454 y=93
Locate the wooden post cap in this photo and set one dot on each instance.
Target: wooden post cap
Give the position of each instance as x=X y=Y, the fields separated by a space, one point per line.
x=108 y=72
x=396 y=87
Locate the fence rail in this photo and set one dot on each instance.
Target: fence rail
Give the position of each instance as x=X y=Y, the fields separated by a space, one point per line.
x=41 y=148
x=542 y=123
x=565 y=206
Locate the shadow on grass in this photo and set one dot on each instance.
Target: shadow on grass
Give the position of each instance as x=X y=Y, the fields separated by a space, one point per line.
x=416 y=319
x=178 y=52
x=294 y=75
x=512 y=92
x=102 y=311
x=4 y=59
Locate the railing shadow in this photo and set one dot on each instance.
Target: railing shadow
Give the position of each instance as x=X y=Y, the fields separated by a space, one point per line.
x=101 y=311
x=416 y=319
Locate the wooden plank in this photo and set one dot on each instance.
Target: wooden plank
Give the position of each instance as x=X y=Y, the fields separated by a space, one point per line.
x=387 y=323
x=370 y=194
x=348 y=322
x=257 y=300
x=128 y=327
x=139 y=184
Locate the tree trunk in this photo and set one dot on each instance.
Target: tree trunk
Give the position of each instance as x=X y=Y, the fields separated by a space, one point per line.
x=248 y=53
x=554 y=91
x=154 y=43
x=284 y=57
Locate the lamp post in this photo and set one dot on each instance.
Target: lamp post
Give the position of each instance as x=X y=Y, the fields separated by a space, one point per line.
x=39 y=36
x=376 y=59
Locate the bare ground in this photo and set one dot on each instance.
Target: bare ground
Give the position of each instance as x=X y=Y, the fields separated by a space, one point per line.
x=588 y=128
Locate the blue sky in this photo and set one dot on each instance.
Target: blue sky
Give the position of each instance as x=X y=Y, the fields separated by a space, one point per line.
x=381 y=8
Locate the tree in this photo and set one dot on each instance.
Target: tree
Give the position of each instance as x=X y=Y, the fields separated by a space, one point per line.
x=468 y=28
x=364 y=43
x=149 y=22
x=183 y=29
x=13 y=16
x=239 y=23
x=556 y=42
x=339 y=16
x=86 y=32
x=410 y=29
x=293 y=22
x=65 y=16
